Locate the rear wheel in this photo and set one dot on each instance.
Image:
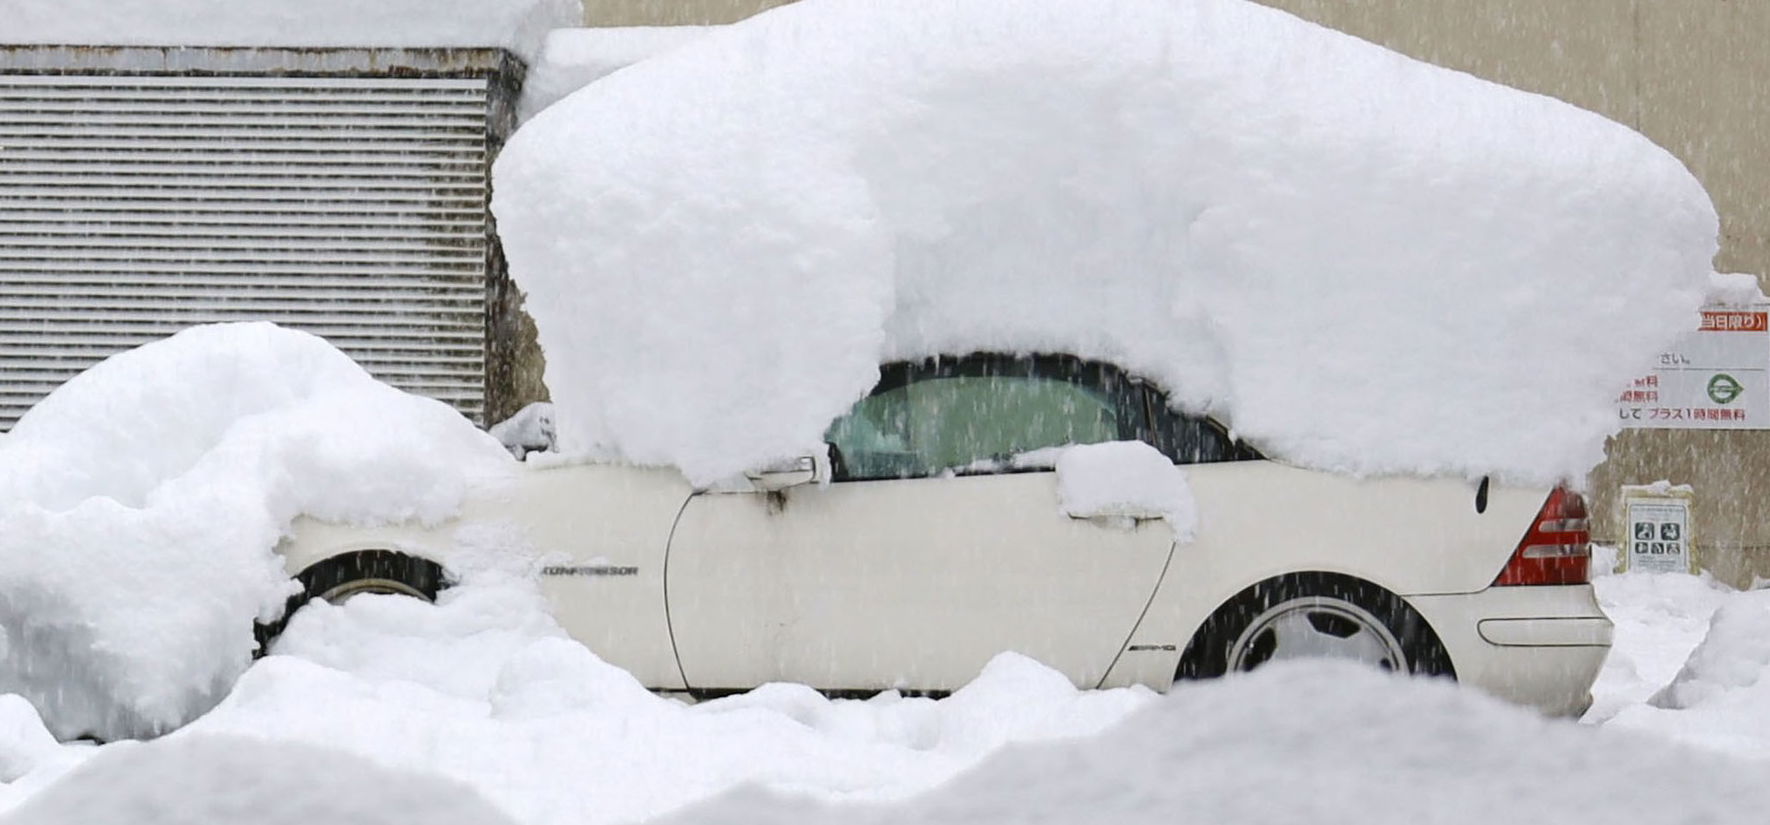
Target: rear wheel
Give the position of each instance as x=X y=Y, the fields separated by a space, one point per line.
x=341 y=577
x=1314 y=616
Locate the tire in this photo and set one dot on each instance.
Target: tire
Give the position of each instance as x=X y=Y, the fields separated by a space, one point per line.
x=339 y=578
x=1314 y=615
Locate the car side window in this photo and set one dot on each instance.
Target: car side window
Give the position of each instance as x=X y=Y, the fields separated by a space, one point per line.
x=1191 y=439
x=975 y=417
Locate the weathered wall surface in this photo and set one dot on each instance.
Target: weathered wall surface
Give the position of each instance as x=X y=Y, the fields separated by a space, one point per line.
x=672 y=12
x=1691 y=75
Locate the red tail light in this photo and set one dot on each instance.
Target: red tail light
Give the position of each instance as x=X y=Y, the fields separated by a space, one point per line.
x=1558 y=547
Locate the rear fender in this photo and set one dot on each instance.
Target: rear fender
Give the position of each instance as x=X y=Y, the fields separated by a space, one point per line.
x=1259 y=520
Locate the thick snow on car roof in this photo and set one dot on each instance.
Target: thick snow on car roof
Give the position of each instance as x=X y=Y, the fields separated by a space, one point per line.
x=513 y=24
x=571 y=59
x=1363 y=262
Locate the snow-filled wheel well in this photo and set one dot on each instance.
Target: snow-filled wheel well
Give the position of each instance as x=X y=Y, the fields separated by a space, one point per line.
x=339 y=577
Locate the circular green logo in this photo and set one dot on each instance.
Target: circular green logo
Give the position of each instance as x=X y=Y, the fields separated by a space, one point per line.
x=1723 y=388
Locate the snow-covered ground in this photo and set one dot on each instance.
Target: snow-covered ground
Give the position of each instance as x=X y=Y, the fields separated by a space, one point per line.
x=483 y=689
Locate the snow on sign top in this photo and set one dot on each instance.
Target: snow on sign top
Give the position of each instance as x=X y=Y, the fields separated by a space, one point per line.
x=518 y=25
x=1361 y=262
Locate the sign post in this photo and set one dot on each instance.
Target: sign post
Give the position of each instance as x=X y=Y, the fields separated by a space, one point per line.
x=1656 y=528
x=1716 y=378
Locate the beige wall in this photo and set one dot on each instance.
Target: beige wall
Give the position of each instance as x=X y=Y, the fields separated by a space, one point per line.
x=671 y=12
x=1693 y=75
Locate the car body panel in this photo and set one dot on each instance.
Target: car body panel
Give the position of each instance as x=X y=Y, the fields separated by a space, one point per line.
x=1571 y=637
x=912 y=583
x=596 y=533
x=847 y=587
x=1260 y=519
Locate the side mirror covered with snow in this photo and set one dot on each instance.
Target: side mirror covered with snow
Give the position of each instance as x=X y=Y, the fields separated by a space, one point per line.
x=530 y=430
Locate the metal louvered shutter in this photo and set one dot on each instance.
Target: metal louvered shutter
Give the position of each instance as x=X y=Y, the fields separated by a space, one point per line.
x=132 y=206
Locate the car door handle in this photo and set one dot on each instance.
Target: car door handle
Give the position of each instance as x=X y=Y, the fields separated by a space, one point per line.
x=1115 y=522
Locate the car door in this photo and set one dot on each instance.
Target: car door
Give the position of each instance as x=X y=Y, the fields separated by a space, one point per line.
x=931 y=552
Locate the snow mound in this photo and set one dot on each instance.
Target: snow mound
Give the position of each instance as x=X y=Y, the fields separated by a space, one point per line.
x=226 y=780
x=140 y=504
x=1720 y=699
x=1734 y=655
x=571 y=59
x=1735 y=289
x=1660 y=618
x=483 y=687
x=1313 y=742
x=1364 y=262
x=1690 y=662
x=1125 y=479
x=23 y=739
x=518 y=25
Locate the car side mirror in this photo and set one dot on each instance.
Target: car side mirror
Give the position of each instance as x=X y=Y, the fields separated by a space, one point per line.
x=809 y=469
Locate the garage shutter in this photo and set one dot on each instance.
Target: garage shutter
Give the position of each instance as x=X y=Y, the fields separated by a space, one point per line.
x=350 y=207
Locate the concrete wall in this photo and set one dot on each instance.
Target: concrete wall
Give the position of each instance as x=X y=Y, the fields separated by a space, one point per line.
x=1693 y=75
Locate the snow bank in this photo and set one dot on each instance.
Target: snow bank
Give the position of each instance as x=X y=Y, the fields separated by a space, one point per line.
x=197 y=780
x=23 y=739
x=1735 y=289
x=484 y=688
x=1660 y=618
x=1125 y=479
x=1735 y=654
x=518 y=25
x=140 y=502
x=571 y=59
x=1366 y=263
x=1720 y=699
x=1314 y=742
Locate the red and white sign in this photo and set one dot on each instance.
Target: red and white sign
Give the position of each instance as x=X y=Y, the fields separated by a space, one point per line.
x=1715 y=378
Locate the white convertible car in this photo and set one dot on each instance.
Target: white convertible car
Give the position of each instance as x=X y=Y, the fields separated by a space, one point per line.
x=915 y=554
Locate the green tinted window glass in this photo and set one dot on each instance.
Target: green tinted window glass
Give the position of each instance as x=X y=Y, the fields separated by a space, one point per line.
x=950 y=423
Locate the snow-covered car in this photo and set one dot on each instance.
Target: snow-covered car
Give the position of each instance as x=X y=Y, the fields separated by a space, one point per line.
x=931 y=538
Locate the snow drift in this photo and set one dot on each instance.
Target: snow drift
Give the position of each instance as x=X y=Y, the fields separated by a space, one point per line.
x=140 y=504
x=1302 y=742
x=1720 y=698
x=204 y=780
x=1363 y=262
x=518 y=25
x=1735 y=655
x=484 y=688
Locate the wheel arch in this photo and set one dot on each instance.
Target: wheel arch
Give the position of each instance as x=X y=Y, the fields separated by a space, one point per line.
x=311 y=541
x=1348 y=587
x=1190 y=594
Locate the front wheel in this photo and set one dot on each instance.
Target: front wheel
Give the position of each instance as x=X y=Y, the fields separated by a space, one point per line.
x=340 y=577
x=1314 y=616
